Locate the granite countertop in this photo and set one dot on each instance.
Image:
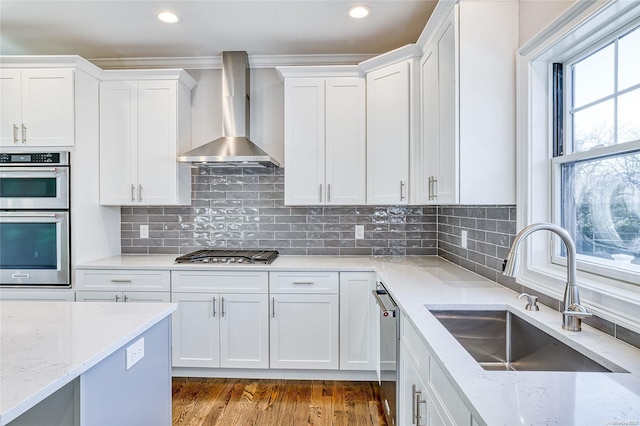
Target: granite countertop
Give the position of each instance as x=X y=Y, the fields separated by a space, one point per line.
x=45 y=345
x=493 y=397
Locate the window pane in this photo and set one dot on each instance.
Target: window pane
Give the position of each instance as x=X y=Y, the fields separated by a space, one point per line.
x=601 y=208
x=593 y=127
x=629 y=116
x=593 y=77
x=629 y=60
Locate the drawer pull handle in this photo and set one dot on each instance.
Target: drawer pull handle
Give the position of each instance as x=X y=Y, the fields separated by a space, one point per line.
x=213 y=304
x=222 y=307
x=273 y=307
x=121 y=280
x=303 y=282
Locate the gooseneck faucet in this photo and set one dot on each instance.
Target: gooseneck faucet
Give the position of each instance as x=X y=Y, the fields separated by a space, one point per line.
x=573 y=312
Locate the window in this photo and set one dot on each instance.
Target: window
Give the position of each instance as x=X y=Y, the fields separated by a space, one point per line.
x=589 y=181
x=597 y=165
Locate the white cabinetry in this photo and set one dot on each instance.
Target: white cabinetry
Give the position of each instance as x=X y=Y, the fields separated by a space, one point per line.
x=468 y=106
x=37 y=107
x=426 y=397
x=221 y=319
x=325 y=142
x=304 y=320
x=358 y=317
x=37 y=294
x=390 y=133
x=144 y=123
x=122 y=286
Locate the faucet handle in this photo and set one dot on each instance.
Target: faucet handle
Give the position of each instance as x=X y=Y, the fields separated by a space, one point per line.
x=575 y=310
x=532 y=302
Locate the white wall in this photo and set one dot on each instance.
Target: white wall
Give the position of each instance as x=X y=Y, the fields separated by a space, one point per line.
x=536 y=15
x=267 y=109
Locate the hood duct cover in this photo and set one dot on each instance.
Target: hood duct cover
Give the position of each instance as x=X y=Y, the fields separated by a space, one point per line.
x=234 y=147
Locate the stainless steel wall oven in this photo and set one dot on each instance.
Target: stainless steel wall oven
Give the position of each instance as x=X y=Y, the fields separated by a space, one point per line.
x=34 y=219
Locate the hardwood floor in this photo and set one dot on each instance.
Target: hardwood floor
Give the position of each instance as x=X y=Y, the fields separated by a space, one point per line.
x=226 y=402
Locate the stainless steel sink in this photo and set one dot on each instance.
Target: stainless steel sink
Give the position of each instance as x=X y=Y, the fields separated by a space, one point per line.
x=501 y=341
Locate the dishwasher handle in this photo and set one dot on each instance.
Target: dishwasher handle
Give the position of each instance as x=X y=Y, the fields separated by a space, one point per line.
x=377 y=293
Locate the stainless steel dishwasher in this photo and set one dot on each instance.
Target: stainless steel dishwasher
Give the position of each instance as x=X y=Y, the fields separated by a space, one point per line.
x=389 y=345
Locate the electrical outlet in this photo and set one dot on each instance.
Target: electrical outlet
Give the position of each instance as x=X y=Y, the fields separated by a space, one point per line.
x=464 y=238
x=359 y=232
x=144 y=231
x=134 y=353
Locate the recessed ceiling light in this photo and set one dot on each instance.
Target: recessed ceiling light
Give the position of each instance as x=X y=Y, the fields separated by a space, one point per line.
x=359 y=12
x=168 y=17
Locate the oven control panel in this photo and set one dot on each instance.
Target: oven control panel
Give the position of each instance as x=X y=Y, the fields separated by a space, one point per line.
x=22 y=158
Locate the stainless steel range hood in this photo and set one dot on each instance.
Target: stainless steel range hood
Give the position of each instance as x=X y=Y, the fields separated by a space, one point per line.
x=234 y=147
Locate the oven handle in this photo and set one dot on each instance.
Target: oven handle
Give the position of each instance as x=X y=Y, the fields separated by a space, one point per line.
x=33 y=169
x=36 y=215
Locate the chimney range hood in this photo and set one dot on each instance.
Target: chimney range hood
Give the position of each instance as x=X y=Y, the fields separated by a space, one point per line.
x=234 y=147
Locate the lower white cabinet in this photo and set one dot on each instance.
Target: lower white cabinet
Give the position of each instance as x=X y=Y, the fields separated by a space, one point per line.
x=220 y=330
x=304 y=320
x=105 y=285
x=123 y=296
x=426 y=397
x=221 y=320
x=358 y=316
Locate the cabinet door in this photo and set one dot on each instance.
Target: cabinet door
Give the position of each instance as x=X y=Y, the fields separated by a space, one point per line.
x=345 y=141
x=358 y=312
x=304 y=124
x=304 y=331
x=195 y=330
x=448 y=167
x=118 y=143
x=388 y=121
x=10 y=111
x=48 y=107
x=244 y=330
x=157 y=142
x=411 y=393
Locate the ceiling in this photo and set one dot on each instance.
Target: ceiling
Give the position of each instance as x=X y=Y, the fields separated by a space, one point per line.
x=130 y=29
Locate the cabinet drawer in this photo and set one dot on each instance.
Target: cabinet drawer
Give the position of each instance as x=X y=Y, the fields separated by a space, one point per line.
x=229 y=282
x=303 y=282
x=415 y=346
x=119 y=280
x=447 y=396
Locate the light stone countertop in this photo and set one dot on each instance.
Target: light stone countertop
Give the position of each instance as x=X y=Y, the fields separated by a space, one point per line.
x=46 y=345
x=493 y=397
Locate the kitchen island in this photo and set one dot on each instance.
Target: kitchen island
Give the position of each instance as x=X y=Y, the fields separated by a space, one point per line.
x=68 y=363
x=489 y=397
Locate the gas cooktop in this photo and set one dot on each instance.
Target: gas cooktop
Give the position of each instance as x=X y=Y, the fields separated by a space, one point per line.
x=260 y=257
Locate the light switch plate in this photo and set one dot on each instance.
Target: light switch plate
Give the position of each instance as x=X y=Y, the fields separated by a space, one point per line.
x=464 y=238
x=144 y=231
x=134 y=353
x=359 y=232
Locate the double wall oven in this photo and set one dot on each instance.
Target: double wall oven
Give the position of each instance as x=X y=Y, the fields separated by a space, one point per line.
x=34 y=219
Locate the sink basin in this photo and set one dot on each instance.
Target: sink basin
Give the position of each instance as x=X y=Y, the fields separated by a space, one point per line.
x=501 y=341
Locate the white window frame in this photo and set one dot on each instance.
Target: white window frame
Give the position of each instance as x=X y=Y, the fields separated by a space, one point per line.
x=585 y=24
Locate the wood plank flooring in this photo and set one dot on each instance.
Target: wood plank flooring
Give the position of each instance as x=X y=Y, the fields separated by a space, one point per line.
x=227 y=402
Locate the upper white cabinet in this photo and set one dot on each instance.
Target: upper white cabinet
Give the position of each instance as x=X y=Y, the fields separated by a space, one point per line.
x=145 y=121
x=390 y=134
x=468 y=106
x=325 y=141
x=37 y=107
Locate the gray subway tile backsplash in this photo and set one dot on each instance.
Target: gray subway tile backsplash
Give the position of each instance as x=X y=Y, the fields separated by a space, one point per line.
x=236 y=207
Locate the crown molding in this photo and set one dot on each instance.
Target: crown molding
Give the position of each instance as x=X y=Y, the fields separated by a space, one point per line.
x=215 y=62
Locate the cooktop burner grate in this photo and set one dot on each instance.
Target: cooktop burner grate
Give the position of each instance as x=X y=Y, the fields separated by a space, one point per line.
x=261 y=257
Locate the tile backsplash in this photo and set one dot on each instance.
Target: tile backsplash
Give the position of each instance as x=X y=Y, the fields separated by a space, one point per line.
x=243 y=207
